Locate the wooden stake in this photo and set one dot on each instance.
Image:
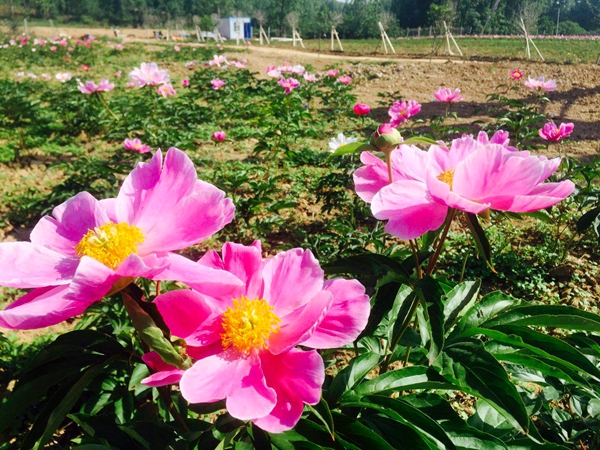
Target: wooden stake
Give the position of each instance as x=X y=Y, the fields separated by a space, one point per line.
x=384 y=38
x=334 y=34
x=450 y=37
x=262 y=35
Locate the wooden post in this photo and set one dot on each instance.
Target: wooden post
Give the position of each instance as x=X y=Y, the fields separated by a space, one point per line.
x=263 y=35
x=332 y=31
x=168 y=35
x=26 y=27
x=52 y=28
x=296 y=38
x=429 y=30
x=528 y=40
x=334 y=35
x=419 y=32
x=385 y=38
x=448 y=38
x=337 y=36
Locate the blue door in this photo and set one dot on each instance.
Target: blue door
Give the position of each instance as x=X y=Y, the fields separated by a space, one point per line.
x=248 y=30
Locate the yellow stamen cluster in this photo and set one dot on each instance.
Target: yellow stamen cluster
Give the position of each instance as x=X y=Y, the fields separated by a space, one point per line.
x=447 y=176
x=110 y=243
x=248 y=324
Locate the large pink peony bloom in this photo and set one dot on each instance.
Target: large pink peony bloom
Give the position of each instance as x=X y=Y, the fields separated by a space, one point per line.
x=472 y=176
x=541 y=83
x=288 y=84
x=91 y=88
x=149 y=74
x=165 y=90
x=551 y=133
x=445 y=95
x=400 y=112
x=76 y=255
x=217 y=83
x=244 y=342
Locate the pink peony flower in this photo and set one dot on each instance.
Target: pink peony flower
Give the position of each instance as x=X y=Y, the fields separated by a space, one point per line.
x=118 y=74
x=189 y=65
x=53 y=48
x=469 y=176
x=400 y=112
x=273 y=72
x=345 y=79
x=218 y=60
x=136 y=145
x=77 y=255
x=447 y=96
x=219 y=136
x=244 y=343
x=165 y=90
x=551 y=133
x=333 y=73
x=176 y=48
x=91 y=88
x=361 y=109
x=309 y=77
x=149 y=74
x=63 y=77
x=185 y=82
x=119 y=47
x=541 y=83
x=217 y=84
x=516 y=74
x=288 y=84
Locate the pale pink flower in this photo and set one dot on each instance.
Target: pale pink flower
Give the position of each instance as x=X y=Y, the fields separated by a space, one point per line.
x=53 y=48
x=551 y=133
x=445 y=95
x=361 y=109
x=218 y=60
x=541 y=83
x=345 y=79
x=176 y=48
x=31 y=75
x=258 y=369
x=149 y=74
x=119 y=46
x=309 y=77
x=239 y=64
x=46 y=77
x=185 y=82
x=165 y=90
x=469 y=176
x=63 y=77
x=136 y=145
x=400 y=112
x=91 y=88
x=288 y=84
x=273 y=72
x=118 y=74
x=130 y=84
x=333 y=73
x=217 y=84
x=219 y=136
x=62 y=43
x=190 y=64
x=70 y=49
x=76 y=255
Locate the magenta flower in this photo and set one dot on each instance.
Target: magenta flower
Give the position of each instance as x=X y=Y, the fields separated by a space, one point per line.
x=551 y=133
x=244 y=342
x=217 y=84
x=149 y=74
x=445 y=95
x=333 y=73
x=345 y=79
x=85 y=67
x=165 y=90
x=53 y=48
x=516 y=74
x=136 y=145
x=219 y=136
x=361 y=109
x=91 y=88
x=185 y=82
x=470 y=176
x=400 y=112
x=118 y=74
x=76 y=255
x=288 y=84
x=541 y=83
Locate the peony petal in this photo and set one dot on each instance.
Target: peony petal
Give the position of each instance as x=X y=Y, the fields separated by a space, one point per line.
x=345 y=319
x=291 y=279
x=409 y=209
x=245 y=262
x=227 y=375
x=41 y=308
x=543 y=196
x=163 y=378
x=441 y=193
x=92 y=281
x=372 y=177
x=220 y=285
x=27 y=265
x=297 y=377
x=183 y=311
x=298 y=326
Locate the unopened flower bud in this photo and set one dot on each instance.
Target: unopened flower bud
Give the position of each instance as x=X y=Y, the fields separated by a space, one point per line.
x=386 y=138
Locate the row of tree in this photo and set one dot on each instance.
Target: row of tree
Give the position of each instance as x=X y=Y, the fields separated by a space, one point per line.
x=353 y=18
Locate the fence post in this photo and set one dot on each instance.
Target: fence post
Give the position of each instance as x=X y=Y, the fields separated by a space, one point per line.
x=429 y=30
x=419 y=32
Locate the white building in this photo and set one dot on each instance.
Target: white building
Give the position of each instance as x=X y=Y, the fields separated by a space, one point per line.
x=236 y=28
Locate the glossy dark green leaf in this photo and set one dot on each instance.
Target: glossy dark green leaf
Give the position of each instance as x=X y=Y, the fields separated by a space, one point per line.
x=586 y=221
x=458 y=301
x=481 y=241
x=466 y=437
x=356 y=433
x=556 y=316
x=430 y=316
x=468 y=365
x=351 y=148
x=323 y=413
x=353 y=373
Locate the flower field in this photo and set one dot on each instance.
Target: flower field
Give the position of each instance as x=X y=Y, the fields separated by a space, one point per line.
x=212 y=247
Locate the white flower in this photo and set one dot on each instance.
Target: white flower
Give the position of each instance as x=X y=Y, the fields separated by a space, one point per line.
x=336 y=143
x=63 y=77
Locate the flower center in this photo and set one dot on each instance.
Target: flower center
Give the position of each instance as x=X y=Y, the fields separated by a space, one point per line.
x=248 y=324
x=110 y=243
x=447 y=176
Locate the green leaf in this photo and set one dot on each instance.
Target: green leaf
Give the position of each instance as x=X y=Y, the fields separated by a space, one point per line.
x=361 y=436
x=556 y=316
x=481 y=241
x=420 y=140
x=469 y=366
x=458 y=301
x=407 y=378
x=490 y=420
x=490 y=305
x=323 y=413
x=402 y=305
x=528 y=444
x=430 y=316
x=466 y=437
x=586 y=221
x=353 y=373
x=353 y=147
x=366 y=264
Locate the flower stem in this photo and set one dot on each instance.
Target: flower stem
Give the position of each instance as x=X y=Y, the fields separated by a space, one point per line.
x=107 y=107
x=415 y=252
x=388 y=160
x=434 y=259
